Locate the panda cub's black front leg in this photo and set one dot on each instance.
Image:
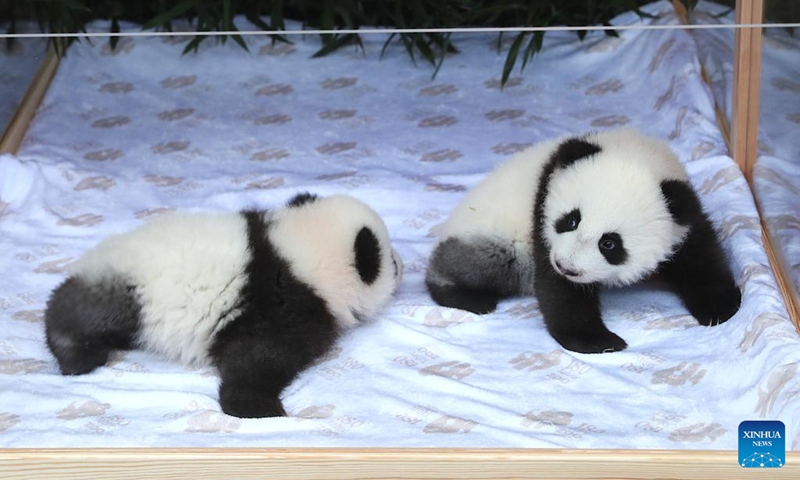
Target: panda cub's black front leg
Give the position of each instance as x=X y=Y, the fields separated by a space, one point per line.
x=700 y=275
x=572 y=314
x=246 y=397
x=699 y=270
x=254 y=368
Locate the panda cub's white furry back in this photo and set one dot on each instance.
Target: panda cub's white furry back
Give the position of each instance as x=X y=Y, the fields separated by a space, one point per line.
x=608 y=208
x=258 y=294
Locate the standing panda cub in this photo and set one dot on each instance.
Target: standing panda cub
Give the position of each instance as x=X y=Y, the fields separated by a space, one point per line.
x=569 y=215
x=258 y=294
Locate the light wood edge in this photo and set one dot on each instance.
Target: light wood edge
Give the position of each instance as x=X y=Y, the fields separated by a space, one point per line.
x=354 y=464
x=782 y=270
x=18 y=125
x=746 y=84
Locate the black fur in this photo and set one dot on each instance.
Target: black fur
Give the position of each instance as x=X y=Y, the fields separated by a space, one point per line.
x=301 y=199
x=368 y=255
x=699 y=270
x=283 y=326
x=572 y=150
x=612 y=248
x=84 y=322
x=475 y=275
x=571 y=311
x=569 y=222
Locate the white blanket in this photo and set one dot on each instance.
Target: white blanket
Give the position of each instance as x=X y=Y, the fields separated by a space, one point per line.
x=124 y=135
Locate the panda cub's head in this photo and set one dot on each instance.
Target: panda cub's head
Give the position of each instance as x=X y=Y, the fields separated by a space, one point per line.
x=605 y=218
x=340 y=247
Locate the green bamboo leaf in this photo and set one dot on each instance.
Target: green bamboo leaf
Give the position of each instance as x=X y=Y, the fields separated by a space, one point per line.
x=194 y=44
x=425 y=50
x=611 y=33
x=240 y=41
x=113 y=41
x=12 y=29
x=74 y=5
x=444 y=49
x=227 y=19
x=171 y=14
x=530 y=50
x=257 y=21
x=386 y=44
x=335 y=44
x=511 y=58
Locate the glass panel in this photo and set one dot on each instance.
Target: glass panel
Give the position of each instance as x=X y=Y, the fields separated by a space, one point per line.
x=777 y=172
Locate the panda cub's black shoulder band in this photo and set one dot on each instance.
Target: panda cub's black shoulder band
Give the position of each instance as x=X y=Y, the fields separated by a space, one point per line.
x=301 y=199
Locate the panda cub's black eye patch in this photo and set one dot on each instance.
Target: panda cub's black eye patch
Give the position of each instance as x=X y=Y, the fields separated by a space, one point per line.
x=612 y=249
x=569 y=221
x=368 y=255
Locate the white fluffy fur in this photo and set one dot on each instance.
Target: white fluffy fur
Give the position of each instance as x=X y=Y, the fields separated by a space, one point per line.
x=190 y=268
x=616 y=190
x=334 y=222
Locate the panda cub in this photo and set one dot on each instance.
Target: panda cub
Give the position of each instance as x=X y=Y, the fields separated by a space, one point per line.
x=572 y=214
x=258 y=294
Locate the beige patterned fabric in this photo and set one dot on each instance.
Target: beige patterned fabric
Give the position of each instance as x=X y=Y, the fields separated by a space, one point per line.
x=129 y=134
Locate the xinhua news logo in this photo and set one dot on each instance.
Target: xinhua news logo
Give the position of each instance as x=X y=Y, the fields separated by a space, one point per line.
x=762 y=444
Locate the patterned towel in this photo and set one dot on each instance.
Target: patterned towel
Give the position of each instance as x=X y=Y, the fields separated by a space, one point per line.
x=124 y=135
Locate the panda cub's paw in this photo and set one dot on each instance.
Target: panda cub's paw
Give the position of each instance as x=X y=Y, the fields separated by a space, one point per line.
x=720 y=308
x=249 y=403
x=603 y=342
x=472 y=300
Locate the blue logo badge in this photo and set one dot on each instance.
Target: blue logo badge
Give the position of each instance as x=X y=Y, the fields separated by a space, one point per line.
x=762 y=444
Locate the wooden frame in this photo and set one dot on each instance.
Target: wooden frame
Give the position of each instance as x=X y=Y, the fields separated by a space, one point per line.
x=356 y=463
x=18 y=125
x=362 y=463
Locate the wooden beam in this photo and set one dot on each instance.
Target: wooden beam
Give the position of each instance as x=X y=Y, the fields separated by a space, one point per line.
x=363 y=463
x=746 y=84
x=18 y=125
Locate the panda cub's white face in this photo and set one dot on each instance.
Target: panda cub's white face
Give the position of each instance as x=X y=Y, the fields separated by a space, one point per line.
x=341 y=248
x=606 y=221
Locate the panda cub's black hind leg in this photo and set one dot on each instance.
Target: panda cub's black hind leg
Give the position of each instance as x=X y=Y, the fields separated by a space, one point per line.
x=85 y=322
x=454 y=296
x=474 y=274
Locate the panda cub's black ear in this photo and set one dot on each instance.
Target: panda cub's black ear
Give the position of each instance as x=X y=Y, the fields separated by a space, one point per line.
x=682 y=201
x=368 y=255
x=301 y=199
x=572 y=150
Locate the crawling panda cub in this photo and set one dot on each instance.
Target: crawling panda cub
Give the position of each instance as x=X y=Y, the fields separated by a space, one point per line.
x=258 y=294
x=572 y=214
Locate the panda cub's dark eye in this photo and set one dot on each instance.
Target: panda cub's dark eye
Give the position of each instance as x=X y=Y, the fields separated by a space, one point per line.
x=608 y=244
x=612 y=248
x=568 y=222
